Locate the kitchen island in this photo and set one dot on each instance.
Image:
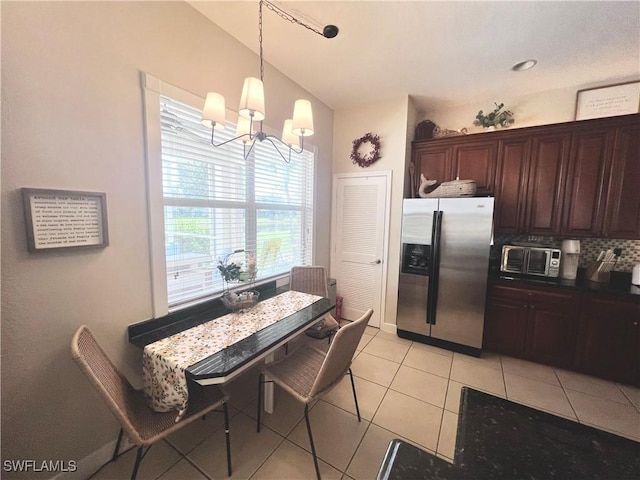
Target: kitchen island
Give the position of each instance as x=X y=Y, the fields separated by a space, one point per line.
x=500 y=439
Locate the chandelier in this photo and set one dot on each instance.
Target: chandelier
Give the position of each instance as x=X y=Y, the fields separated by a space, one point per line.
x=251 y=110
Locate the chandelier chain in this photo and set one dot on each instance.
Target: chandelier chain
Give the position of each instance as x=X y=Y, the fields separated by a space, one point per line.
x=281 y=13
x=260 y=41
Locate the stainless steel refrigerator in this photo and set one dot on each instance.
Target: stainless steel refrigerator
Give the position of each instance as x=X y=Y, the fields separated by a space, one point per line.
x=443 y=272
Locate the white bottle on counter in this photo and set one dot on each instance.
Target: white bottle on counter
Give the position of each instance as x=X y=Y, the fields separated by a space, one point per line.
x=635 y=274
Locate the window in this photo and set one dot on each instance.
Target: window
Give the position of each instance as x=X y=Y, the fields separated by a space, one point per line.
x=214 y=202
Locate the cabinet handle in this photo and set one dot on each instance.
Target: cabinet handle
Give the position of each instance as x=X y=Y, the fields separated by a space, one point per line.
x=635 y=324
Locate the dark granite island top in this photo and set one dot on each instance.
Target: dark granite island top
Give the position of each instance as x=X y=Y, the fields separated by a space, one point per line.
x=500 y=439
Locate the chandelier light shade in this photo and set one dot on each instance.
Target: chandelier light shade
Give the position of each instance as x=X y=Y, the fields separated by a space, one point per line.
x=243 y=129
x=302 y=124
x=252 y=99
x=251 y=107
x=213 y=114
x=288 y=137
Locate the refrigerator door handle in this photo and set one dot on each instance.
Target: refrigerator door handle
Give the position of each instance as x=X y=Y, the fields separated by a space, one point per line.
x=436 y=231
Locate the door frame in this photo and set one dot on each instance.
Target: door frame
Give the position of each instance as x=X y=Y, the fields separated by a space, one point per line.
x=387 y=175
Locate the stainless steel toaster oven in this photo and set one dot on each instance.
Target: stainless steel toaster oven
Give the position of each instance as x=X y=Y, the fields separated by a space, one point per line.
x=540 y=261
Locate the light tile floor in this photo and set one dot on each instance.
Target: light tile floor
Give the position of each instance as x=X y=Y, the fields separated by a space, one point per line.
x=405 y=390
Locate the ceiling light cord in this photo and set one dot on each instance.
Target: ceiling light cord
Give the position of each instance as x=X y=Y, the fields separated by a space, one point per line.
x=278 y=11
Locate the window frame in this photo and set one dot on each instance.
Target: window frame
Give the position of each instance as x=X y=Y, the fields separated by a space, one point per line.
x=152 y=89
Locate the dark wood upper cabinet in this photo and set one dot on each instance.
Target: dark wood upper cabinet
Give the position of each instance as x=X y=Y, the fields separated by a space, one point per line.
x=510 y=184
x=549 y=156
x=585 y=190
x=577 y=179
x=622 y=211
x=434 y=162
x=476 y=161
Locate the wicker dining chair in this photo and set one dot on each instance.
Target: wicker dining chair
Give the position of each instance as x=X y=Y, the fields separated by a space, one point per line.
x=313 y=280
x=308 y=373
x=142 y=425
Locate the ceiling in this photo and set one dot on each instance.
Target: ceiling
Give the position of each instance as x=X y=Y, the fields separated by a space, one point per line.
x=442 y=54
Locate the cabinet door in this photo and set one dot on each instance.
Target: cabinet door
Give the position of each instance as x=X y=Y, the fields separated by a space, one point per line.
x=476 y=161
x=622 y=218
x=584 y=194
x=505 y=323
x=546 y=181
x=610 y=338
x=510 y=185
x=553 y=328
x=435 y=163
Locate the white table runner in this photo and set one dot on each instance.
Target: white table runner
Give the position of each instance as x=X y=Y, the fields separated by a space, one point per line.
x=165 y=361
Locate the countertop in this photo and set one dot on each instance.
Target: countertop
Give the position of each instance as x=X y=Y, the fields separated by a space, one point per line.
x=500 y=439
x=619 y=283
x=149 y=331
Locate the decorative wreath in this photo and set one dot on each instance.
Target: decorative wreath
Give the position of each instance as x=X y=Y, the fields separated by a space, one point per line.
x=373 y=156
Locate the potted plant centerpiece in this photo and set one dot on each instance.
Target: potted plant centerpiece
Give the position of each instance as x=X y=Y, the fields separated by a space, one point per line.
x=497 y=119
x=232 y=272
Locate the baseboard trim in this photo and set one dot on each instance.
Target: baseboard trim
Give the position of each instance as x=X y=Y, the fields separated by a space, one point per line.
x=389 y=328
x=90 y=464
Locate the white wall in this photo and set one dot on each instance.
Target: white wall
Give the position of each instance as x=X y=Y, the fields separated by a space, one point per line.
x=72 y=119
x=392 y=120
x=541 y=108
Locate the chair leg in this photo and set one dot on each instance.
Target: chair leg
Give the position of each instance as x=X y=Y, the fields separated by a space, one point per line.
x=313 y=447
x=260 y=387
x=225 y=410
x=115 y=452
x=139 y=457
x=355 y=397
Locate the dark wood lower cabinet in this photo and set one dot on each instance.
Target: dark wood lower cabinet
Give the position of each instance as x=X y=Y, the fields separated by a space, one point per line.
x=553 y=332
x=535 y=324
x=592 y=332
x=505 y=325
x=610 y=342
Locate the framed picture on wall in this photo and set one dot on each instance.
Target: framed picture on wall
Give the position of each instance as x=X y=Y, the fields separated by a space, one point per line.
x=64 y=219
x=608 y=101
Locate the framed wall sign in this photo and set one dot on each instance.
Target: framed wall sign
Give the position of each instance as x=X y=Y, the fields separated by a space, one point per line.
x=609 y=101
x=65 y=219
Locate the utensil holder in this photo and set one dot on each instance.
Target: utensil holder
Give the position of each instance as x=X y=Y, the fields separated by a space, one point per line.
x=596 y=274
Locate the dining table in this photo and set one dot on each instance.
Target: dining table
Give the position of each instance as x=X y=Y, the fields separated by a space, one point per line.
x=217 y=347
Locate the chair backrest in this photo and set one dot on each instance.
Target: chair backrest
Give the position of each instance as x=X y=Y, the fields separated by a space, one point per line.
x=113 y=387
x=340 y=354
x=309 y=279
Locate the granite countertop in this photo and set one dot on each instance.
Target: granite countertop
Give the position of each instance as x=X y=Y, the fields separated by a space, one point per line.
x=619 y=283
x=501 y=439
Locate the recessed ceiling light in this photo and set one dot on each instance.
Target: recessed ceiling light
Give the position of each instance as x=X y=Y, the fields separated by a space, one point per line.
x=526 y=65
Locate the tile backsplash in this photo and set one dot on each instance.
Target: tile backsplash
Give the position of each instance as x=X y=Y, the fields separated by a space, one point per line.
x=589 y=248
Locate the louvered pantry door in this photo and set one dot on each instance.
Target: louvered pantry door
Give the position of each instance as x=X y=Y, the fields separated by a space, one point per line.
x=360 y=214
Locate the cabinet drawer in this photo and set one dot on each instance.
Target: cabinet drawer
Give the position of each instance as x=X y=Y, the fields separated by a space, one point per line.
x=535 y=295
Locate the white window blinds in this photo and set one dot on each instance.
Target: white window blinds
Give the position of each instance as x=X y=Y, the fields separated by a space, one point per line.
x=216 y=202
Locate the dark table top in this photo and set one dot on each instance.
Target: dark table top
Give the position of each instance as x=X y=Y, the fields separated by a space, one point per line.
x=500 y=439
x=221 y=366
x=228 y=361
